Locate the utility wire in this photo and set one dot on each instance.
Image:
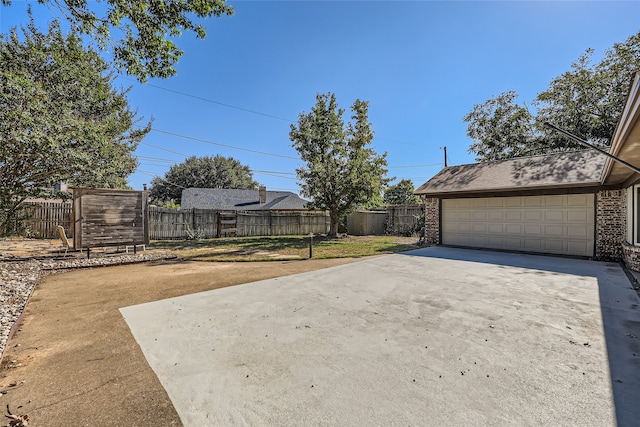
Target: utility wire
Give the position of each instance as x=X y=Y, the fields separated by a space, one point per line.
x=242 y=108
x=213 y=101
x=163 y=149
x=246 y=149
x=416 y=166
x=218 y=144
x=158 y=176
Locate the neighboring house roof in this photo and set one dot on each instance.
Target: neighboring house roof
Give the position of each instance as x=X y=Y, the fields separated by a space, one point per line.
x=240 y=200
x=558 y=170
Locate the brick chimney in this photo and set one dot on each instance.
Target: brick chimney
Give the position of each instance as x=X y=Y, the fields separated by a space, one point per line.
x=262 y=194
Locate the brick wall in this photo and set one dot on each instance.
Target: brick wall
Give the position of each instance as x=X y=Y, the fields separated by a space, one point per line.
x=611 y=222
x=432 y=221
x=631 y=256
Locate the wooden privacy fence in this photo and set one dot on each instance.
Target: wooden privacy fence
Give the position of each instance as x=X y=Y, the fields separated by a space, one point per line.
x=267 y=223
x=42 y=218
x=403 y=217
x=171 y=224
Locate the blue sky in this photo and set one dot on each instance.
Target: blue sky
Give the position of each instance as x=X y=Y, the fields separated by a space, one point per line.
x=422 y=65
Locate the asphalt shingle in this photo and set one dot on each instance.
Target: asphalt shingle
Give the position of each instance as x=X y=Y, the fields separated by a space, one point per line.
x=558 y=170
x=239 y=200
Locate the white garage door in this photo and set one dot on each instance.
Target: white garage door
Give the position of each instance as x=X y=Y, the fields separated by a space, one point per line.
x=562 y=224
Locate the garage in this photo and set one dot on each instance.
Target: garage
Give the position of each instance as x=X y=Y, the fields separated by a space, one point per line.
x=556 y=224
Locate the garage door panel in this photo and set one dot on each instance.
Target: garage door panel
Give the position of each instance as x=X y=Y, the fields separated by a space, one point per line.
x=580 y=200
x=554 y=216
x=533 y=201
x=577 y=231
x=577 y=216
x=533 y=215
x=559 y=224
x=480 y=215
x=576 y=246
x=515 y=244
x=496 y=228
x=554 y=246
x=513 y=228
x=551 y=201
x=496 y=215
x=479 y=227
x=464 y=215
x=495 y=242
x=535 y=229
x=513 y=215
x=554 y=230
x=533 y=245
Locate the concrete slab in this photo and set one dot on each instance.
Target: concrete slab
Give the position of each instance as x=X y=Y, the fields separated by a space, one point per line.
x=438 y=336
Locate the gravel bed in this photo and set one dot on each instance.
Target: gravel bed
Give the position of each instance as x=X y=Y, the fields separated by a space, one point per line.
x=18 y=278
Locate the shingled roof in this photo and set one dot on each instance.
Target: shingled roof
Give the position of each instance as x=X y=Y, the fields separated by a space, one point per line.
x=240 y=200
x=559 y=170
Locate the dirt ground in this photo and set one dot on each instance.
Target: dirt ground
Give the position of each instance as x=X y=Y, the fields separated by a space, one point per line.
x=74 y=362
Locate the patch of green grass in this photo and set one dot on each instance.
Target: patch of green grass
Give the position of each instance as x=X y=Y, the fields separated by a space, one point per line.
x=279 y=248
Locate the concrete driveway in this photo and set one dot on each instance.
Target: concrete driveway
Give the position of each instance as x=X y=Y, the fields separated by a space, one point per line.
x=437 y=336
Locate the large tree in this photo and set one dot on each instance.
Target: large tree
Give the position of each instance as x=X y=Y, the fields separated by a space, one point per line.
x=61 y=118
x=201 y=172
x=401 y=194
x=501 y=128
x=341 y=169
x=138 y=33
x=587 y=101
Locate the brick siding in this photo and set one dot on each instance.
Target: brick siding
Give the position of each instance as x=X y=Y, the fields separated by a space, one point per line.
x=631 y=255
x=432 y=221
x=611 y=223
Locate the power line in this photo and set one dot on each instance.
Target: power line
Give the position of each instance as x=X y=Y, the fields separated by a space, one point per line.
x=275 y=175
x=219 y=144
x=155 y=159
x=283 y=173
x=163 y=149
x=180 y=186
x=244 y=109
x=161 y=160
x=248 y=150
x=215 y=102
x=158 y=176
x=416 y=166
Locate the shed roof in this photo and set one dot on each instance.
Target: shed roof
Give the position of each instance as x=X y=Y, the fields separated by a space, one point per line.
x=571 y=169
x=239 y=200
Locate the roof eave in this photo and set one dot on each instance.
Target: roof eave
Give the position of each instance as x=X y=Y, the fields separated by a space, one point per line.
x=628 y=119
x=510 y=189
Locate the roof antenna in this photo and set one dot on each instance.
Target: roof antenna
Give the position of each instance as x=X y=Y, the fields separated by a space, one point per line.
x=445 y=155
x=585 y=143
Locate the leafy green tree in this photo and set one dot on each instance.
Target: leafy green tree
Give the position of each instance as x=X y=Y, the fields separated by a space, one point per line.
x=139 y=33
x=61 y=119
x=342 y=171
x=501 y=128
x=587 y=101
x=201 y=172
x=401 y=194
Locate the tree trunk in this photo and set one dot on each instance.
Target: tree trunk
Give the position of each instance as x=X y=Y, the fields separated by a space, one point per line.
x=335 y=220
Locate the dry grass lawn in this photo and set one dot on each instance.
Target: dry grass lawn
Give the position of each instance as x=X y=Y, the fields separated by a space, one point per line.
x=270 y=248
